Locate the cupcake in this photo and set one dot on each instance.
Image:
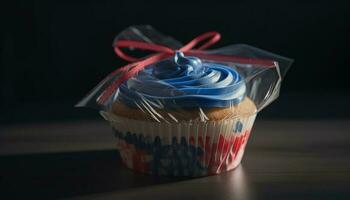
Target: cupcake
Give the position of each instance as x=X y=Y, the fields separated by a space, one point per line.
x=182 y=117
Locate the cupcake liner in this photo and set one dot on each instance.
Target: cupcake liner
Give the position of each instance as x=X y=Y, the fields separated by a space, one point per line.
x=181 y=149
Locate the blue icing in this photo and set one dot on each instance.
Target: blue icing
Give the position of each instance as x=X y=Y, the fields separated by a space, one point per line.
x=184 y=82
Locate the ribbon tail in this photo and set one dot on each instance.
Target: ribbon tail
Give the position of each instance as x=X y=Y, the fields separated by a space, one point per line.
x=234 y=59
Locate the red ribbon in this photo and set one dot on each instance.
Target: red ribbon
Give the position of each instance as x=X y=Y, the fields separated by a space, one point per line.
x=162 y=52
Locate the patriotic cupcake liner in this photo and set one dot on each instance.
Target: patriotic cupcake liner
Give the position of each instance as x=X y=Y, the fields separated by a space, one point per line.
x=189 y=149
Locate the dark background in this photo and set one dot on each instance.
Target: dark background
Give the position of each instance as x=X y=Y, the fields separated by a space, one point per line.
x=54 y=52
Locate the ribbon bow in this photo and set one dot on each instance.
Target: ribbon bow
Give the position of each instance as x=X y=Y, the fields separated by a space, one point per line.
x=162 y=52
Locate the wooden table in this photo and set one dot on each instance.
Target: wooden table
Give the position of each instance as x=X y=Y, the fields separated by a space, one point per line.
x=77 y=160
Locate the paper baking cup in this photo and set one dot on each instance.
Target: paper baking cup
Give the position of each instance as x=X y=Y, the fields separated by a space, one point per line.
x=181 y=149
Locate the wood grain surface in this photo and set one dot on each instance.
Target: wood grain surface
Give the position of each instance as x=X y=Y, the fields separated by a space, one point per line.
x=77 y=160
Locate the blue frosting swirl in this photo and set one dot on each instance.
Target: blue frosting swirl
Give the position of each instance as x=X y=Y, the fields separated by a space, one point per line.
x=184 y=82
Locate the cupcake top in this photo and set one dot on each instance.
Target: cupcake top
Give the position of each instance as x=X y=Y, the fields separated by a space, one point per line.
x=184 y=82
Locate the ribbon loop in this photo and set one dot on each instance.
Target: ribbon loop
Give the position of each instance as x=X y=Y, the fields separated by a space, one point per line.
x=138 y=45
x=213 y=36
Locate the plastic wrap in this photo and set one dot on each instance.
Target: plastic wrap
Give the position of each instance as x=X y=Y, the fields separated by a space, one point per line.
x=189 y=111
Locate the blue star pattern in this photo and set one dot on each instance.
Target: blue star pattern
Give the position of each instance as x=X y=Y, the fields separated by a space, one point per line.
x=177 y=159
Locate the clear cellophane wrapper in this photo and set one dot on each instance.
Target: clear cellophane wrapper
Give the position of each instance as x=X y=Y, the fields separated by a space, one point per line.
x=157 y=136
